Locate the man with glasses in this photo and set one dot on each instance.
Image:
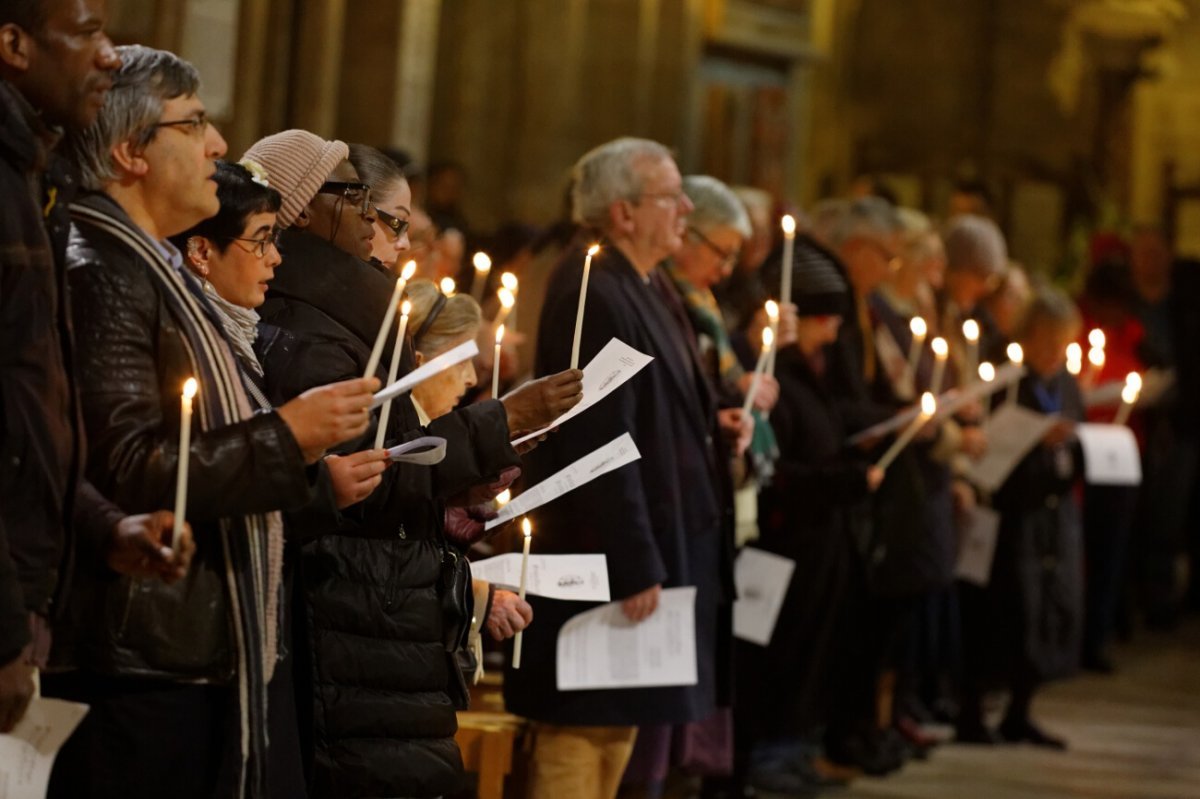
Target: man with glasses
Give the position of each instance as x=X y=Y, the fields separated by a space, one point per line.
x=176 y=676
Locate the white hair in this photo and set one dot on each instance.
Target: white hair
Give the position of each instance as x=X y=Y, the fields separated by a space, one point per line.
x=716 y=206
x=836 y=222
x=609 y=173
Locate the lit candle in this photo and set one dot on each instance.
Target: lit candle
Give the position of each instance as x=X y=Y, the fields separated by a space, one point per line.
x=389 y=316
x=773 y=320
x=483 y=265
x=768 y=339
x=788 y=223
x=503 y=498
x=587 y=270
x=1129 y=397
x=385 y=412
x=510 y=282
x=190 y=387
x=1097 y=339
x=941 y=351
x=448 y=286
x=1095 y=364
x=970 y=330
x=527 y=529
x=1017 y=356
x=496 y=363
x=928 y=409
x=507 y=301
x=987 y=373
x=919 y=330
x=1074 y=359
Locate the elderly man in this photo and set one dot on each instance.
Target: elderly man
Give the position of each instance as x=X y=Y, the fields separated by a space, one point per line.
x=661 y=521
x=176 y=676
x=55 y=69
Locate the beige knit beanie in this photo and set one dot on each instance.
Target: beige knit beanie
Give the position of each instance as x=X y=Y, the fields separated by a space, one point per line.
x=298 y=163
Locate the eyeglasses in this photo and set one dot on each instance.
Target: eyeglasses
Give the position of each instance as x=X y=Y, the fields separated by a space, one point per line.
x=259 y=247
x=671 y=197
x=192 y=126
x=395 y=226
x=357 y=194
x=728 y=257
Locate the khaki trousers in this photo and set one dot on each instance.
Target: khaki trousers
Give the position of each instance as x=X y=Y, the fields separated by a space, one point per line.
x=578 y=762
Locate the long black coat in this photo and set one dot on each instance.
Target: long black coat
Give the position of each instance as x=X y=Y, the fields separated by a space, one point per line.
x=380 y=679
x=804 y=515
x=658 y=520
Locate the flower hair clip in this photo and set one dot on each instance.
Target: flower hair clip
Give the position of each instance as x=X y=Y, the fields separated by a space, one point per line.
x=258 y=173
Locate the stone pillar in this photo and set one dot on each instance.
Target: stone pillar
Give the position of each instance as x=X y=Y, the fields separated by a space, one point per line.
x=317 y=65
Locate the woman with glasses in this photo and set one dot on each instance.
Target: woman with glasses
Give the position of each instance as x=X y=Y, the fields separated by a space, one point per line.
x=392 y=201
x=234 y=256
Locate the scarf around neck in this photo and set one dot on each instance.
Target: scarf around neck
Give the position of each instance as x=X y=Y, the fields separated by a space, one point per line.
x=240 y=326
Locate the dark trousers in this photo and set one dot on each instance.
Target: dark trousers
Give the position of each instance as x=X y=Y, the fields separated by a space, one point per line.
x=145 y=738
x=1108 y=513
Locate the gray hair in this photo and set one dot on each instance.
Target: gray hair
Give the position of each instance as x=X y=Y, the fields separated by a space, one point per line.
x=609 y=173
x=146 y=80
x=975 y=244
x=836 y=222
x=1050 y=306
x=716 y=206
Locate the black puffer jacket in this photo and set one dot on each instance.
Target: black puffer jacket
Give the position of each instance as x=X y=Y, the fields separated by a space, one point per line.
x=381 y=676
x=133 y=361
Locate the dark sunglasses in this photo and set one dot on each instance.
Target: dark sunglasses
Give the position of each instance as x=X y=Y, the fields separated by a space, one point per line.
x=357 y=194
x=396 y=227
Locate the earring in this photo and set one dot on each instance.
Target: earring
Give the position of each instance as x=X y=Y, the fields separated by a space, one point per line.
x=195 y=262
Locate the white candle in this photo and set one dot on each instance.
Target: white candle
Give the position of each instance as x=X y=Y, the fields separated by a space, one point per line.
x=496 y=363
x=941 y=351
x=483 y=265
x=987 y=373
x=385 y=412
x=919 y=330
x=406 y=274
x=768 y=340
x=527 y=529
x=1129 y=397
x=507 y=301
x=928 y=409
x=1017 y=356
x=510 y=282
x=587 y=270
x=448 y=286
x=788 y=223
x=971 y=335
x=190 y=387
x=773 y=320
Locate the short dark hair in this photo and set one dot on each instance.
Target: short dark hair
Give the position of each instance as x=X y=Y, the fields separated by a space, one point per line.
x=241 y=197
x=29 y=15
x=375 y=169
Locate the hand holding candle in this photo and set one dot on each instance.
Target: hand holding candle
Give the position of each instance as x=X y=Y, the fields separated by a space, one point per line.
x=527 y=530
x=190 y=387
x=496 y=363
x=1129 y=397
x=928 y=409
x=483 y=265
x=768 y=340
x=1017 y=356
x=393 y=371
x=941 y=351
x=410 y=268
x=587 y=271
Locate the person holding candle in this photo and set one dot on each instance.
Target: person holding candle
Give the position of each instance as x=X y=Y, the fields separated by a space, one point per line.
x=168 y=671
x=56 y=65
x=663 y=521
x=333 y=303
x=1026 y=626
x=805 y=515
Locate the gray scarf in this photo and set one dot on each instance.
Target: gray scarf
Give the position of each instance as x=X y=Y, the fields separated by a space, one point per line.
x=240 y=325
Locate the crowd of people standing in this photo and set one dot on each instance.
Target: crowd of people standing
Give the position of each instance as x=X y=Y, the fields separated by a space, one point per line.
x=312 y=628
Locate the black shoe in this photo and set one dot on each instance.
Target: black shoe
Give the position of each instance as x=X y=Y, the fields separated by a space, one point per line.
x=1024 y=731
x=975 y=734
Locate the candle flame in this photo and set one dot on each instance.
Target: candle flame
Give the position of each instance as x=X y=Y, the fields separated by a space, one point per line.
x=1134 y=379
x=448 y=286
x=410 y=269
x=1129 y=394
x=1074 y=352
x=987 y=372
x=506 y=298
x=918 y=327
x=1096 y=357
x=595 y=248
x=1096 y=338
x=789 y=225
x=1015 y=353
x=509 y=281
x=526 y=527
x=940 y=348
x=1075 y=366
x=481 y=262
x=190 y=387
x=504 y=497
x=928 y=404
x=971 y=330
x=405 y=308
x=768 y=337
x=772 y=310
x=499 y=334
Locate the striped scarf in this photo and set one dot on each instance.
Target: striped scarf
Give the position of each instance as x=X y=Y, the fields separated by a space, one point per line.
x=253 y=544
